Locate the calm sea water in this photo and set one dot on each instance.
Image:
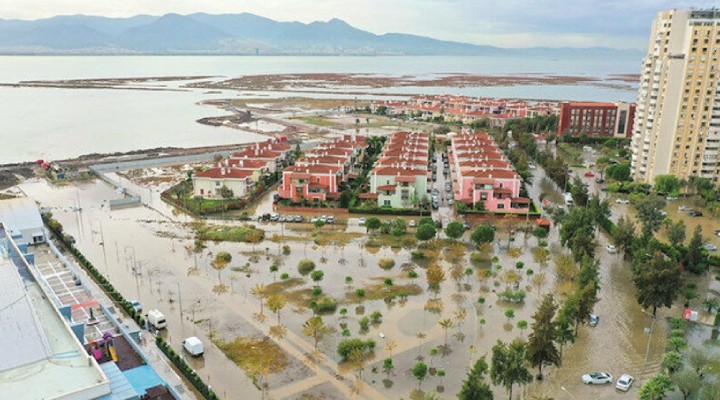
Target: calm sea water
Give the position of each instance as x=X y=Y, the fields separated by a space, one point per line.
x=60 y=123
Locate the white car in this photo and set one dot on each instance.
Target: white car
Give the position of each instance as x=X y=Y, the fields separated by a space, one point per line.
x=597 y=378
x=710 y=247
x=684 y=208
x=611 y=249
x=622 y=201
x=412 y=223
x=361 y=221
x=624 y=382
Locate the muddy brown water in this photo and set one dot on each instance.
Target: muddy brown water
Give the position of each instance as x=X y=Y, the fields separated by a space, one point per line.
x=141 y=238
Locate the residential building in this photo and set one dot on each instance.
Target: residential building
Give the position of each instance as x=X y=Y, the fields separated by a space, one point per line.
x=399 y=178
x=677 y=123
x=277 y=154
x=21 y=218
x=322 y=172
x=212 y=183
x=484 y=175
x=596 y=119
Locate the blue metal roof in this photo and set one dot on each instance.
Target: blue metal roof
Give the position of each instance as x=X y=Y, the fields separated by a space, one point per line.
x=120 y=387
x=143 y=378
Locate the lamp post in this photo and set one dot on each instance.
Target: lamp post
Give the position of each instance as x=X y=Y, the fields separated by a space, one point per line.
x=568 y=392
x=650 y=331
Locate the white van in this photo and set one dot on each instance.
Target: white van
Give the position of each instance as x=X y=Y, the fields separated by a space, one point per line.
x=194 y=346
x=568 y=199
x=156 y=319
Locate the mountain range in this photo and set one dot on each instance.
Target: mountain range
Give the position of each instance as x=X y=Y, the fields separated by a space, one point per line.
x=242 y=34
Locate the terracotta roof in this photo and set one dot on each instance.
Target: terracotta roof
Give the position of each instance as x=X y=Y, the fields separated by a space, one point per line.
x=495 y=174
x=484 y=181
x=316 y=185
x=391 y=171
x=247 y=163
x=315 y=169
x=387 y=187
x=372 y=196
x=230 y=173
x=405 y=179
x=332 y=195
x=502 y=191
x=255 y=153
x=520 y=200
x=296 y=175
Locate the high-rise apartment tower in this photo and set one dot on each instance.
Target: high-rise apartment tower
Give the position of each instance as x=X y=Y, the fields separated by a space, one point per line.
x=677 y=121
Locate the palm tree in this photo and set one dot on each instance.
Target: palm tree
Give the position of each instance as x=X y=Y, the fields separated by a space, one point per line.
x=276 y=303
x=260 y=291
x=222 y=259
x=460 y=316
x=446 y=324
x=315 y=328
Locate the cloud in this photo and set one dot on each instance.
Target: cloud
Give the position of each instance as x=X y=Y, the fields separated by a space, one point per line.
x=509 y=23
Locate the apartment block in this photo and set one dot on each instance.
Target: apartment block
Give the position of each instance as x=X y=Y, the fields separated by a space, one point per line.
x=596 y=119
x=399 y=178
x=320 y=174
x=677 y=123
x=484 y=175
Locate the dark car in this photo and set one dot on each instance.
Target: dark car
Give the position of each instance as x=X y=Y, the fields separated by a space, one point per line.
x=599 y=180
x=695 y=214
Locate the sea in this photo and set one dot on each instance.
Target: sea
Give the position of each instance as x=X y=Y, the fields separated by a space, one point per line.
x=56 y=123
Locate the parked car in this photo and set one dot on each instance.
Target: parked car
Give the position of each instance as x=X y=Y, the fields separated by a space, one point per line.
x=695 y=214
x=451 y=202
x=435 y=191
x=671 y=198
x=717 y=232
x=361 y=221
x=299 y=218
x=599 y=180
x=274 y=217
x=589 y=174
x=314 y=220
x=435 y=205
x=593 y=320
x=684 y=208
x=412 y=223
x=466 y=226
x=281 y=218
x=330 y=220
x=624 y=382
x=597 y=378
x=611 y=249
x=622 y=201
x=194 y=346
x=531 y=166
x=710 y=247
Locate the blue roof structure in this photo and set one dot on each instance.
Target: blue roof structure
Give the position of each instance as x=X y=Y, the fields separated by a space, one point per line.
x=143 y=378
x=119 y=384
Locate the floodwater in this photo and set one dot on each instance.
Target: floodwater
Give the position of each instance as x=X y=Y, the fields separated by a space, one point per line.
x=155 y=244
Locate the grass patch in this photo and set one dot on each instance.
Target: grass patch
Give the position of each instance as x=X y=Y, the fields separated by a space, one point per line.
x=454 y=252
x=381 y=291
x=282 y=286
x=255 y=356
x=325 y=238
x=317 y=121
x=247 y=234
x=395 y=242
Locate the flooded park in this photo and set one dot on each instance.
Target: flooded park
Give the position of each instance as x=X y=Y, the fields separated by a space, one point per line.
x=377 y=287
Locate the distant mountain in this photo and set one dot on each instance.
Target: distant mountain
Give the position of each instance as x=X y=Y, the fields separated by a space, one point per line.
x=245 y=33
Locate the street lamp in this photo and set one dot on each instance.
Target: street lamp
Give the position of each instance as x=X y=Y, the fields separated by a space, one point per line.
x=568 y=392
x=647 y=348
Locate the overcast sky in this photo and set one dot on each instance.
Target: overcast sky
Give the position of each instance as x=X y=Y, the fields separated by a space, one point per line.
x=505 y=23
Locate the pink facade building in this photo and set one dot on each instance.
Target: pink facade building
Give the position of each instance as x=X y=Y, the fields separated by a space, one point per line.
x=319 y=175
x=484 y=175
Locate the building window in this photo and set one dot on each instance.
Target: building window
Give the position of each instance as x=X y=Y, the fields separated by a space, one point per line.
x=386 y=203
x=500 y=206
x=217 y=183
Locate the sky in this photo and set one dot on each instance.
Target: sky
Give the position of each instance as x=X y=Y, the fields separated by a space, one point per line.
x=503 y=23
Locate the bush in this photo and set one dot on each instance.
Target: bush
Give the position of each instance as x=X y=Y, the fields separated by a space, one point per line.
x=513 y=296
x=386 y=263
x=306 y=266
x=483 y=234
x=325 y=305
x=417 y=255
x=425 y=232
x=346 y=347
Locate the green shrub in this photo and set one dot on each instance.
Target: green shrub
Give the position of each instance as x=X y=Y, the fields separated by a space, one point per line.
x=513 y=296
x=324 y=305
x=306 y=266
x=386 y=263
x=346 y=347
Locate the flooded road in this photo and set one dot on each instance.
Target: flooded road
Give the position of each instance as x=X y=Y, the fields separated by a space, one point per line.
x=147 y=254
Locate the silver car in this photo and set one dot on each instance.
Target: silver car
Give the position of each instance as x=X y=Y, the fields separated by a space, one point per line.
x=597 y=378
x=624 y=382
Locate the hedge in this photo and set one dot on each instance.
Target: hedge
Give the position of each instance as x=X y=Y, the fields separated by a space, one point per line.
x=185 y=369
x=388 y=211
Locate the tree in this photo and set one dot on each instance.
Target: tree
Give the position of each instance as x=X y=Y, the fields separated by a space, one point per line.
x=372 y=223
x=425 y=232
x=315 y=328
x=564 y=324
x=656 y=387
x=649 y=213
x=658 y=282
x=345 y=198
x=619 y=172
x=445 y=324
x=346 y=347
x=222 y=259
x=483 y=234
x=454 y=230
x=522 y=325
x=508 y=365
x=579 y=192
x=388 y=366
x=397 y=227
x=317 y=276
x=474 y=386
x=694 y=254
x=542 y=348
x=676 y=233
x=360 y=294
x=441 y=375
x=667 y=184
x=672 y=362
x=276 y=303
x=420 y=371
x=435 y=276
x=509 y=314
x=625 y=234
x=698 y=359
x=274 y=269
x=259 y=291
